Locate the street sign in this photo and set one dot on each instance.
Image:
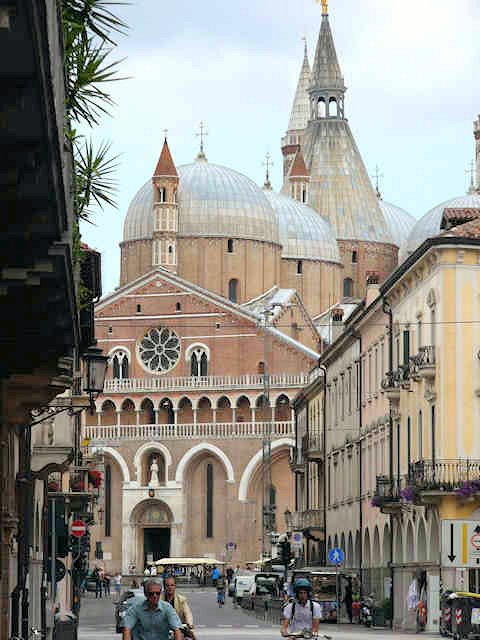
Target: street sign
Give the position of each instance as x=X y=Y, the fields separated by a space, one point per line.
x=297 y=540
x=336 y=556
x=78 y=528
x=461 y=543
x=231 y=546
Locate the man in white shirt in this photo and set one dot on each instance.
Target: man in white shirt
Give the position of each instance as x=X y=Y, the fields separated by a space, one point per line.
x=302 y=613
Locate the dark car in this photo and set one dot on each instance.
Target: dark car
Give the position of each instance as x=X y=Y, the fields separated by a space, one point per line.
x=127 y=599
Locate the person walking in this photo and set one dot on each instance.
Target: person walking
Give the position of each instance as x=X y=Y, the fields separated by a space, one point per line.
x=220 y=585
x=106 y=584
x=117 y=586
x=215 y=575
x=152 y=619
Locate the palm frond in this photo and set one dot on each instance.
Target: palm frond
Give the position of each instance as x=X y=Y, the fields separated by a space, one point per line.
x=93 y=16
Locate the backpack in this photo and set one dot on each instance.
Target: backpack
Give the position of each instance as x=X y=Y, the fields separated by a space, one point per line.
x=292 y=617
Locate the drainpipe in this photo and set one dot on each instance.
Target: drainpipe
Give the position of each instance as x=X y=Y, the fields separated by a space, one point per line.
x=387 y=310
x=357 y=336
x=323 y=368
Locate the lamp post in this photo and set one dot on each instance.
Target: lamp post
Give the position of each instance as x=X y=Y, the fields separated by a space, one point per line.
x=94 y=374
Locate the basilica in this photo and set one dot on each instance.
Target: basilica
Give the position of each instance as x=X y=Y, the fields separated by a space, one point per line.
x=217 y=325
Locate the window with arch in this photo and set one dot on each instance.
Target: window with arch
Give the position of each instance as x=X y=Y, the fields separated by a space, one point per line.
x=322 y=108
x=354 y=257
x=209 y=501
x=230 y=245
x=261 y=368
x=333 y=108
x=233 y=290
x=120 y=365
x=108 y=501
x=199 y=363
x=178 y=306
x=162 y=194
x=299 y=267
x=304 y=194
x=348 y=288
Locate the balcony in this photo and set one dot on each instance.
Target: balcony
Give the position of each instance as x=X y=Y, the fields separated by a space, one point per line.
x=389 y=495
x=213 y=430
x=313 y=447
x=77 y=487
x=424 y=363
x=297 y=461
x=204 y=383
x=310 y=521
x=435 y=479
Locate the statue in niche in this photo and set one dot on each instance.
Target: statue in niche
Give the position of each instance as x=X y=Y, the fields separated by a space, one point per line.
x=154 y=480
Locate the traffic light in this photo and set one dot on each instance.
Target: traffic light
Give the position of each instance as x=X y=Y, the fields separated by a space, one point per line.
x=285 y=551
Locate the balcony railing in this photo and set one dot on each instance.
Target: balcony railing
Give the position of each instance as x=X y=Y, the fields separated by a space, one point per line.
x=312 y=445
x=443 y=474
x=423 y=364
x=215 y=430
x=297 y=460
x=311 y=518
x=188 y=383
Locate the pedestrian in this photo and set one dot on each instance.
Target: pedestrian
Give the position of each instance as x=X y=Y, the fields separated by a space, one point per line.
x=229 y=574
x=106 y=584
x=220 y=585
x=215 y=575
x=151 y=618
x=98 y=582
x=117 y=586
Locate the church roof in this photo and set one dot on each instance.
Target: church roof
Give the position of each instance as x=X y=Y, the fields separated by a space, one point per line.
x=303 y=233
x=165 y=165
x=399 y=222
x=431 y=223
x=213 y=201
x=300 y=113
x=326 y=72
x=298 y=168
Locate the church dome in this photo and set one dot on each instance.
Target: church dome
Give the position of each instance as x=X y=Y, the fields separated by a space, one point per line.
x=304 y=234
x=217 y=201
x=213 y=201
x=429 y=225
x=399 y=222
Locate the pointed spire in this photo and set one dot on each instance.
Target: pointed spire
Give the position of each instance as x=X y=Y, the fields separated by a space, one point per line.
x=471 y=172
x=165 y=165
x=301 y=104
x=299 y=168
x=326 y=72
x=202 y=134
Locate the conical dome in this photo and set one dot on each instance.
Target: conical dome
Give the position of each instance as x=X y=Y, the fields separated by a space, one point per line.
x=399 y=222
x=300 y=113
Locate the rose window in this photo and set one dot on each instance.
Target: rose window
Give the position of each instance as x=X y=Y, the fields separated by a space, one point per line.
x=159 y=350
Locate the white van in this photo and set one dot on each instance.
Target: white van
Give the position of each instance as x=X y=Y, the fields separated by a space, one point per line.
x=243 y=585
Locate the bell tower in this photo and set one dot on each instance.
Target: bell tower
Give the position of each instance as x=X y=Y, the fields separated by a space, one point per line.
x=165 y=202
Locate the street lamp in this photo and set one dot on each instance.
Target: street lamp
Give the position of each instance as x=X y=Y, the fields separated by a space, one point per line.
x=383 y=487
x=94 y=373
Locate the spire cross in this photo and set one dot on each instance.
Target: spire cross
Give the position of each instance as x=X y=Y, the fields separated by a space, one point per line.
x=378 y=176
x=268 y=164
x=165 y=133
x=202 y=135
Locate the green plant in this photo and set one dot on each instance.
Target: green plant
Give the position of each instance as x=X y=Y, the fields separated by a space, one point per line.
x=387 y=607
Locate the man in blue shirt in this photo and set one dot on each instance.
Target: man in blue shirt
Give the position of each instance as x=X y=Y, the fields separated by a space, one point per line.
x=153 y=618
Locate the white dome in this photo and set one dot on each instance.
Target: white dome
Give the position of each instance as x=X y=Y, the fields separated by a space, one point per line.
x=429 y=225
x=399 y=222
x=304 y=234
x=212 y=201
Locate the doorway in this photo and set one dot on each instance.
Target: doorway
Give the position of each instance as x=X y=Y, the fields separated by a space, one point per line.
x=156 y=544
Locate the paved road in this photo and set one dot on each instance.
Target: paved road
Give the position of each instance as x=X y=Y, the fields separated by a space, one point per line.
x=97 y=622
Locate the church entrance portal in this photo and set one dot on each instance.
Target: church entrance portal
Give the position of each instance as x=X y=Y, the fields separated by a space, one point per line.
x=156 y=544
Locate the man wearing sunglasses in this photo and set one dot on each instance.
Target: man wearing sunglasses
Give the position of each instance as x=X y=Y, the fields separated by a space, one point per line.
x=152 y=619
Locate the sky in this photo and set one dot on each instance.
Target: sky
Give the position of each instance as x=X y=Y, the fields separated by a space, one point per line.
x=411 y=69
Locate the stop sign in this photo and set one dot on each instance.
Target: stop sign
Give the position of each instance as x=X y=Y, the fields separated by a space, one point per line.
x=78 y=529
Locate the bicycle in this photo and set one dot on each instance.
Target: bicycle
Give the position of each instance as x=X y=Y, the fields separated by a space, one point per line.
x=35 y=634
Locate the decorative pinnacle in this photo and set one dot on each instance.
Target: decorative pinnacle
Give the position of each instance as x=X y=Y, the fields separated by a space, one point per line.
x=306 y=47
x=324 y=7
x=378 y=176
x=203 y=133
x=165 y=133
x=267 y=164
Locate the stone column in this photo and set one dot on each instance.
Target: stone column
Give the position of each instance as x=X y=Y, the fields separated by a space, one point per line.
x=137 y=417
x=234 y=414
x=195 y=416
x=99 y=418
x=214 y=416
x=118 y=423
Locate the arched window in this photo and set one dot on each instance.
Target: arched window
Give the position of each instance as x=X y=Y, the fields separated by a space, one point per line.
x=261 y=368
x=347 y=288
x=299 y=268
x=120 y=365
x=108 y=501
x=162 y=194
x=199 y=363
x=230 y=245
x=139 y=308
x=354 y=257
x=333 y=108
x=233 y=290
x=322 y=108
x=209 y=502
x=178 y=306
x=304 y=194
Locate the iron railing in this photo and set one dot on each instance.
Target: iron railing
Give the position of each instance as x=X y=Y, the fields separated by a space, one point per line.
x=444 y=474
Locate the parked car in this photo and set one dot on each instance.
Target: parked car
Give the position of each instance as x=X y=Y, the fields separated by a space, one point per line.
x=127 y=599
x=243 y=584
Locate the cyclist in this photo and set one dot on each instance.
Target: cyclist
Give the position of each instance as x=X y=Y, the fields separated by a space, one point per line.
x=151 y=618
x=302 y=613
x=180 y=604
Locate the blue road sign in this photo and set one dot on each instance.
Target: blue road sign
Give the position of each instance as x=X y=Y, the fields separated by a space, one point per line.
x=336 y=556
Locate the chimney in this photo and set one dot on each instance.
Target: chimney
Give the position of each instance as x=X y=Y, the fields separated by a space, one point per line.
x=373 y=289
x=337 y=323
